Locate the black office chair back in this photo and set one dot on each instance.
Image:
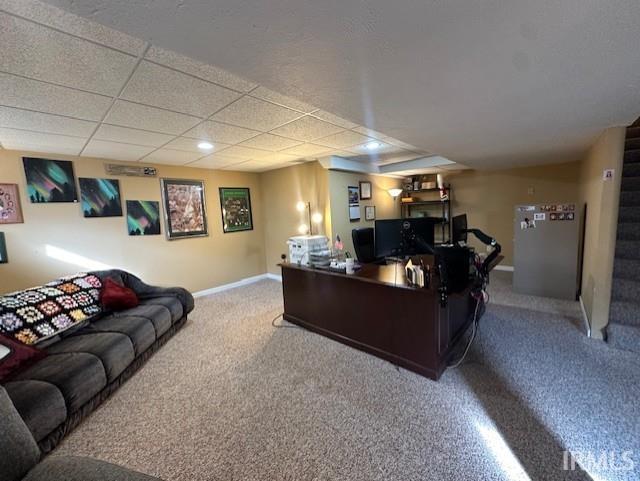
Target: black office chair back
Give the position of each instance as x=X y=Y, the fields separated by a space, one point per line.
x=363 y=244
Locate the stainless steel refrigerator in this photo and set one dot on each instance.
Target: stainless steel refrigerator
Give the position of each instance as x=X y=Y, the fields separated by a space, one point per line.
x=547 y=250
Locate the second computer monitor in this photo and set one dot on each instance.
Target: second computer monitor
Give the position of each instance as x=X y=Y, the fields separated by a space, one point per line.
x=459 y=229
x=389 y=235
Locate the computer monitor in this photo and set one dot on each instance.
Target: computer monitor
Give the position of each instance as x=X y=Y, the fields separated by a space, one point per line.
x=389 y=237
x=459 y=229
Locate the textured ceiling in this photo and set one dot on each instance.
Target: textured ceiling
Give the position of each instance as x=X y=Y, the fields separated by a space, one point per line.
x=71 y=86
x=485 y=83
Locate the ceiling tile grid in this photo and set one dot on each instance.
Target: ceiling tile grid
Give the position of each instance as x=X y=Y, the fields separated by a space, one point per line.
x=85 y=89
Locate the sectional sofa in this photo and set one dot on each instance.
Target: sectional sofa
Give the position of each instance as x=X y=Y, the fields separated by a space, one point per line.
x=84 y=367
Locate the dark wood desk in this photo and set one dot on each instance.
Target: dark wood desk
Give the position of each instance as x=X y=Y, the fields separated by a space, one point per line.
x=375 y=310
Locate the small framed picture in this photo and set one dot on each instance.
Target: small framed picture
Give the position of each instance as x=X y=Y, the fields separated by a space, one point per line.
x=354 y=198
x=235 y=203
x=370 y=212
x=10 y=210
x=365 y=190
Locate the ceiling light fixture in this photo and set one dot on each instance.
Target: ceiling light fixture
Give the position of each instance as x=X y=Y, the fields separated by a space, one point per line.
x=205 y=146
x=373 y=145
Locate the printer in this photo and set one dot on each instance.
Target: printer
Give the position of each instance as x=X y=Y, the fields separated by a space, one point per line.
x=304 y=249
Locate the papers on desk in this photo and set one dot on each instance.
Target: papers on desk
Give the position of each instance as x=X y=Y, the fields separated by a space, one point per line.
x=417 y=275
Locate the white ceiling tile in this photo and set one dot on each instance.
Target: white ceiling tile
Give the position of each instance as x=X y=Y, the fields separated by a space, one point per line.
x=113 y=150
x=159 y=86
x=127 y=135
x=39 y=122
x=266 y=94
x=172 y=157
x=399 y=143
x=270 y=142
x=245 y=153
x=199 y=69
x=12 y=139
x=248 y=166
x=278 y=157
x=334 y=119
x=340 y=153
x=43 y=97
x=305 y=150
x=191 y=145
x=307 y=129
x=60 y=58
x=385 y=148
x=67 y=22
x=343 y=139
x=370 y=133
x=128 y=114
x=218 y=132
x=255 y=114
x=215 y=161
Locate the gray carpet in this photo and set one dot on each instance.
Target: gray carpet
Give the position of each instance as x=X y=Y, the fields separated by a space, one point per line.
x=232 y=398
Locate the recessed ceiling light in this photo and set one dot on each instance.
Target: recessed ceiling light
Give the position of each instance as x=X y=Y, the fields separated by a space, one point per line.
x=205 y=146
x=373 y=145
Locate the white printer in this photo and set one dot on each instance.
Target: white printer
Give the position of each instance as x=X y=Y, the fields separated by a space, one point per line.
x=302 y=247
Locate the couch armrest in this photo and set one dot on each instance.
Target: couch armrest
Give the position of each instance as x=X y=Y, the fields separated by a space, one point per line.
x=75 y=468
x=146 y=291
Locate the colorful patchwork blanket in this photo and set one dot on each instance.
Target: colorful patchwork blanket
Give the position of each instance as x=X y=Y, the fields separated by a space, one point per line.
x=36 y=314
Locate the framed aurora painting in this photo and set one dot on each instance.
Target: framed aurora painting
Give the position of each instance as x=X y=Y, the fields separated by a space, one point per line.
x=100 y=197
x=50 y=180
x=143 y=217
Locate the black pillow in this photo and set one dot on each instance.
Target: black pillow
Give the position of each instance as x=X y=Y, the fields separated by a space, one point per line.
x=15 y=356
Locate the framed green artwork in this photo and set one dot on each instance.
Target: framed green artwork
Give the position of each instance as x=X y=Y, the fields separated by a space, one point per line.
x=235 y=203
x=3 y=250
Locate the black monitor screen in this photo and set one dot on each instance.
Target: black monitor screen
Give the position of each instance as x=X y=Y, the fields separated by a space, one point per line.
x=459 y=229
x=389 y=235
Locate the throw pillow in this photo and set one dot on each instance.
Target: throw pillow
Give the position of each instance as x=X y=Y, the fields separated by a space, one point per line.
x=39 y=313
x=115 y=297
x=15 y=356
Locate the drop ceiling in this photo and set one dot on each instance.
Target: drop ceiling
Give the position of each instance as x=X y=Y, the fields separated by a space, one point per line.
x=71 y=86
x=485 y=83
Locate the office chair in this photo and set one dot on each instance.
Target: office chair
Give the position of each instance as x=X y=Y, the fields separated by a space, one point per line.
x=363 y=244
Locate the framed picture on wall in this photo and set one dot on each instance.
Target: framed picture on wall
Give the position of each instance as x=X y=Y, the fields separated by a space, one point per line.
x=235 y=203
x=100 y=197
x=50 y=180
x=365 y=190
x=370 y=212
x=3 y=250
x=10 y=209
x=184 y=208
x=354 y=203
x=143 y=217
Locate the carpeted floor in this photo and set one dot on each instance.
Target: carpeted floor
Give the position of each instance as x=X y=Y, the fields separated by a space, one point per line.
x=232 y=398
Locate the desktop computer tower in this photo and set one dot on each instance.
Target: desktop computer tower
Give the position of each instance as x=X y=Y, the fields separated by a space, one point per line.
x=547 y=249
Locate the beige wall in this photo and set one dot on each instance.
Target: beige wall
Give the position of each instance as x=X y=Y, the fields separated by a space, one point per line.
x=488 y=197
x=281 y=190
x=602 y=199
x=386 y=207
x=198 y=263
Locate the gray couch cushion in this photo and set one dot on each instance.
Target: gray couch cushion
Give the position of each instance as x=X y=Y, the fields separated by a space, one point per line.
x=159 y=315
x=18 y=450
x=72 y=468
x=170 y=302
x=115 y=350
x=79 y=376
x=140 y=330
x=40 y=405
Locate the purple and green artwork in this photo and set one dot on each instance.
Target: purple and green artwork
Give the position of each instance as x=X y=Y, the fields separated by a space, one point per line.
x=100 y=197
x=143 y=217
x=50 y=180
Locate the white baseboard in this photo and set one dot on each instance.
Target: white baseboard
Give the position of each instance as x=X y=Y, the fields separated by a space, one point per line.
x=500 y=267
x=274 y=277
x=233 y=285
x=585 y=318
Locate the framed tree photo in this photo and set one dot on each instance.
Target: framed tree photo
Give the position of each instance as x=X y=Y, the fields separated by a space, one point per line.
x=100 y=197
x=50 y=180
x=235 y=203
x=10 y=209
x=184 y=208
